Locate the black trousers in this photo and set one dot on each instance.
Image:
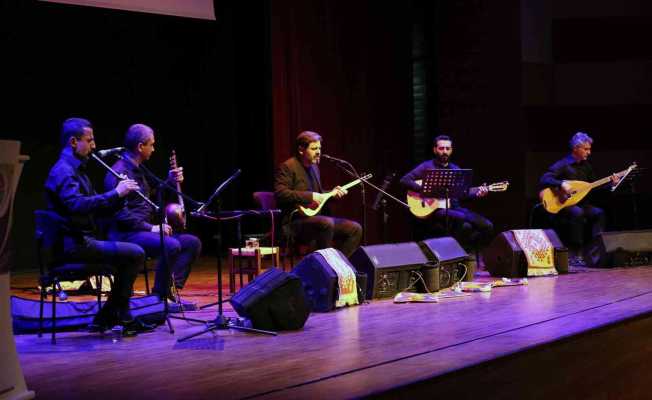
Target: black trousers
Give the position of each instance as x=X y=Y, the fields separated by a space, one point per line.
x=583 y=222
x=183 y=249
x=126 y=258
x=340 y=233
x=469 y=228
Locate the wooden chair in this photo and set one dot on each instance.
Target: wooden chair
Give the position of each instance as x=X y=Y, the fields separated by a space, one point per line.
x=290 y=247
x=54 y=269
x=254 y=258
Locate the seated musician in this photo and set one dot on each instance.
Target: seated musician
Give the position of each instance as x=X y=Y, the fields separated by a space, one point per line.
x=470 y=229
x=297 y=183
x=70 y=194
x=583 y=216
x=136 y=221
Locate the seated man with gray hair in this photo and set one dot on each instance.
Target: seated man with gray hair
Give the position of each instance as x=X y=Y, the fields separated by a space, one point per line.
x=583 y=220
x=137 y=223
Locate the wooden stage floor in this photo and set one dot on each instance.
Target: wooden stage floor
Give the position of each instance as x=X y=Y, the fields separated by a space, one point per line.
x=536 y=341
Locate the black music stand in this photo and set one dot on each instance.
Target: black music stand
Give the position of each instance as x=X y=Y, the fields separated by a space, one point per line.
x=632 y=179
x=221 y=321
x=446 y=184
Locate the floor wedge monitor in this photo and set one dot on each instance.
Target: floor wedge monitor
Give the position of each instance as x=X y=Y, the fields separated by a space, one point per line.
x=390 y=268
x=505 y=258
x=275 y=300
x=452 y=260
x=620 y=249
x=325 y=287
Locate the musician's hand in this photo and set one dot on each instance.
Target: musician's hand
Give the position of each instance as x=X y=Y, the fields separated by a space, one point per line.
x=318 y=197
x=126 y=186
x=167 y=229
x=566 y=187
x=482 y=191
x=176 y=175
x=614 y=179
x=338 y=192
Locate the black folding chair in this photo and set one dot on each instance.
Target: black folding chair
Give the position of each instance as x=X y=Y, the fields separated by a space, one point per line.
x=54 y=269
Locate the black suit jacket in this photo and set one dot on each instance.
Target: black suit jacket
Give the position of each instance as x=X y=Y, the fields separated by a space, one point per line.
x=292 y=186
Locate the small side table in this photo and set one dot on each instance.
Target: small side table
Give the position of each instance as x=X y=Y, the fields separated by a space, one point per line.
x=251 y=269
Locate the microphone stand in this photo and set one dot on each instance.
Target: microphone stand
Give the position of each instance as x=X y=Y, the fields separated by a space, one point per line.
x=121 y=177
x=163 y=250
x=344 y=166
x=164 y=253
x=165 y=261
x=220 y=322
x=382 y=203
x=164 y=184
x=401 y=202
x=364 y=180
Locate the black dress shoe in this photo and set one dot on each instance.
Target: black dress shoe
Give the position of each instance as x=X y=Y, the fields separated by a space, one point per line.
x=106 y=318
x=97 y=327
x=135 y=326
x=170 y=297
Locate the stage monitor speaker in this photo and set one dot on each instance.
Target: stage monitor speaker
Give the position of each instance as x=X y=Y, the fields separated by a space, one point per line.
x=320 y=281
x=505 y=258
x=454 y=262
x=620 y=249
x=275 y=300
x=389 y=267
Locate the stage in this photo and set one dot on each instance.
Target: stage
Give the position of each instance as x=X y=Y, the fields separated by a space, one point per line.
x=581 y=335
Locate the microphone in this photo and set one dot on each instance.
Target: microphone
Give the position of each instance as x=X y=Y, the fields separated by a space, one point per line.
x=386 y=182
x=110 y=152
x=334 y=159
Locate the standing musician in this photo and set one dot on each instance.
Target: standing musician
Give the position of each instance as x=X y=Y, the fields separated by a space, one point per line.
x=576 y=166
x=135 y=221
x=469 y=228
x=297 y=183
x=70 y=194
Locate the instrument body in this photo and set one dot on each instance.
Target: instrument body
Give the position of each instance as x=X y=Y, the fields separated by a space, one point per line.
x=422 y=207
x=175 y=213
x=555 y=199
x=311 y=212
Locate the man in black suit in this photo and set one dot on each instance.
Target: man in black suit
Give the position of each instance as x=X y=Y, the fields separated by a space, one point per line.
x=70 y=194
x=298 y=183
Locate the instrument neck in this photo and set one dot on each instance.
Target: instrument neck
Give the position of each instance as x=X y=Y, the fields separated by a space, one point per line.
x=173 y=165
x=607 y=179
x=179 y=195
x=355 y=182
x=351 y=184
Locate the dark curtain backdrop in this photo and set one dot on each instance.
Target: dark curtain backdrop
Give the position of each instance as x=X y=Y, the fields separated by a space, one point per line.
x=343 y=69
x=235 y=92
x=478 y=100
x=202 y=85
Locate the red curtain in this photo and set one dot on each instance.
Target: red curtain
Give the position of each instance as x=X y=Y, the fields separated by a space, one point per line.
x=343 y=69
